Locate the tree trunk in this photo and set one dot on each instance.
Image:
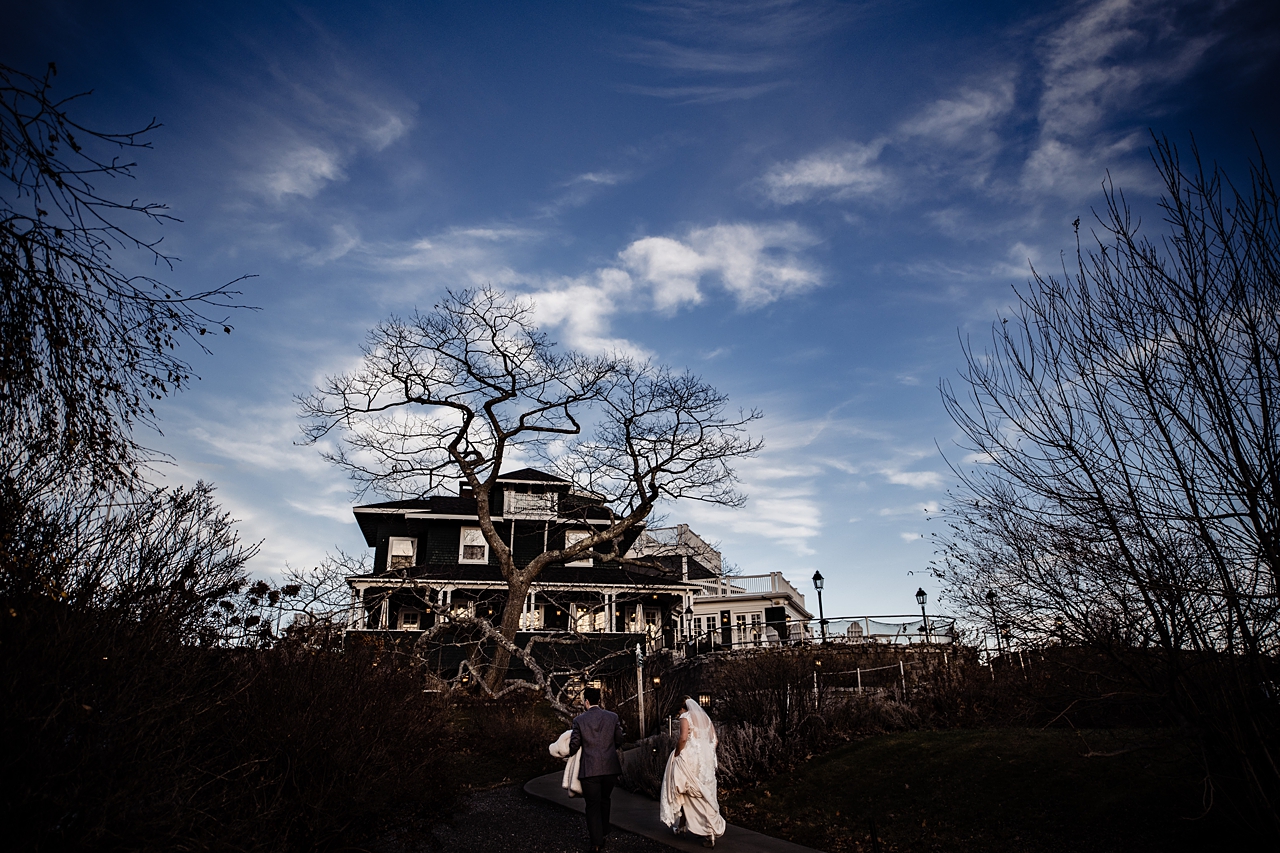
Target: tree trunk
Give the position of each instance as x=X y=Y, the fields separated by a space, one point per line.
x=517 y=591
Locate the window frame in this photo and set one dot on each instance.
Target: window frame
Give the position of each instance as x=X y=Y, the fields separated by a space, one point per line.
x=578 y=535
x=463 y=543
x=391 y=547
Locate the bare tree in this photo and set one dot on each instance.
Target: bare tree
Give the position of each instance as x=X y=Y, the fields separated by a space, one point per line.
x=1126 y=488
x=86 y=348
x=455 y=393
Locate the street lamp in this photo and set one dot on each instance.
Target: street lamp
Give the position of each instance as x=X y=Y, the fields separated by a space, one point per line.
x=822 y=619
x=991 y=599
x=922 y=598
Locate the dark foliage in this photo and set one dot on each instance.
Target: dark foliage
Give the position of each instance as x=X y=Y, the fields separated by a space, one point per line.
x=86 y=347
x=645 y=764
x=1127 y=493
x=120 y=743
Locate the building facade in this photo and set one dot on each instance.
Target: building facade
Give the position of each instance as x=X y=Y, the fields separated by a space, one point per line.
x=726 y=610
x=431 y=561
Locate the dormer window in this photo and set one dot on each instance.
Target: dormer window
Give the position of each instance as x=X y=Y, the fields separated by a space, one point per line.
x=537 y=504
x=402 y=553
x=473 y=548
x=573 y=537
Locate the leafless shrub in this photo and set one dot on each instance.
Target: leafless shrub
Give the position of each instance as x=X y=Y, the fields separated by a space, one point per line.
x=748 y=752
x=1128 y=498
x=643 y=769
x=85 y=348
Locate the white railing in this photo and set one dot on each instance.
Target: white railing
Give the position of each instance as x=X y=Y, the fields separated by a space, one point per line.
x=771 y=584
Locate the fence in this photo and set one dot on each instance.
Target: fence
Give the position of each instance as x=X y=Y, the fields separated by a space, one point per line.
x=840 y=630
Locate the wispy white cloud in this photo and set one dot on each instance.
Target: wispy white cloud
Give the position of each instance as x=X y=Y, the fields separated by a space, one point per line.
x=754 y=264
x=846 y=172
x=914 y=479
x=460 y=256
x=583 y=309
x=1090 y=90
x=966 y=117
x=302 y=171
x=703 y=94
x=582 y=189
x=722 y=50
x=782 y=509
x=306 y=127
x=914 y=509
x=1111 y=58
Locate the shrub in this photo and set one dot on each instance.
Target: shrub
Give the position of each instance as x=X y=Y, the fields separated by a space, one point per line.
x=748 y=752
x=119 y=742
x=644 y=766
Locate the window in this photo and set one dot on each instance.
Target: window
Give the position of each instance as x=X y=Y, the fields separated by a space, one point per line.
x=526 y=505
x=410 y=620
x=697 y=625
x=473 y=548
x=572 y=538
x=402 y=553
x=652 y=622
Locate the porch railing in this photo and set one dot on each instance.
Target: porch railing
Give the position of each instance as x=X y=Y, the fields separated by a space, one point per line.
x=901 y=629
x=771 y=584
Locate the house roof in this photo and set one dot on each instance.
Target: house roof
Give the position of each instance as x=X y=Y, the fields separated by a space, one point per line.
x=530 y=475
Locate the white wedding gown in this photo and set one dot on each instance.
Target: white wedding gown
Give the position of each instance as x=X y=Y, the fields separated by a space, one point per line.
x=689 y=784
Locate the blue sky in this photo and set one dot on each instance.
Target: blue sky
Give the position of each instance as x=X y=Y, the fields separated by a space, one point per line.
x=806 y=203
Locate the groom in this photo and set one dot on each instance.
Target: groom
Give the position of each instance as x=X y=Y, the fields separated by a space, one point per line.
x=598 y=733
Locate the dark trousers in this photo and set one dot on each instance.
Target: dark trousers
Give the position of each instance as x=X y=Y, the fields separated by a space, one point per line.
x=596 y=791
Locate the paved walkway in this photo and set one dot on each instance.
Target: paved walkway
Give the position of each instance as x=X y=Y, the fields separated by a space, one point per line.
x=638 y=814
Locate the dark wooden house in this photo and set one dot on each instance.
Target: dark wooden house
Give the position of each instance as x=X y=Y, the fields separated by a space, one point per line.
x=430 y=551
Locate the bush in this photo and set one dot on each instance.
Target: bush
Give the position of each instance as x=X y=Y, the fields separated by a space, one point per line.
x=644 y=766
x=118 y=742
x=748 y=752
x=503 y=739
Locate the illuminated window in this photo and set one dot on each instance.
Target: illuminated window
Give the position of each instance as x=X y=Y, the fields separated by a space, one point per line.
x=473 y=547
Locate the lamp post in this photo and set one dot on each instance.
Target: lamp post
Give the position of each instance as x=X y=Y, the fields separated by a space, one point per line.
x=822 y=619
x=922 y=598
x=995 y=624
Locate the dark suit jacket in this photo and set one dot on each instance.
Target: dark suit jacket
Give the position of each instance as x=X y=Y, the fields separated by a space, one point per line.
x=598 y=733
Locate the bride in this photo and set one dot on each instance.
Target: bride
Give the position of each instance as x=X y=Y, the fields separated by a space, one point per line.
x=689 y=784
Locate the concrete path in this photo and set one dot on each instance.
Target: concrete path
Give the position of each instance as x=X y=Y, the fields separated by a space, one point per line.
x=638 y=814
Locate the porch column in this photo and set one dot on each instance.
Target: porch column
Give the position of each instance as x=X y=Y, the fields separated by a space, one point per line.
x=383 y=613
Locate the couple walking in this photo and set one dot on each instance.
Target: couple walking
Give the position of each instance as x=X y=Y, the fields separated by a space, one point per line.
x=688 y=801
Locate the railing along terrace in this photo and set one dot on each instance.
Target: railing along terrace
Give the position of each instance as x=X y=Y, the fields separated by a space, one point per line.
x=840 y=629
x=771 y=584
